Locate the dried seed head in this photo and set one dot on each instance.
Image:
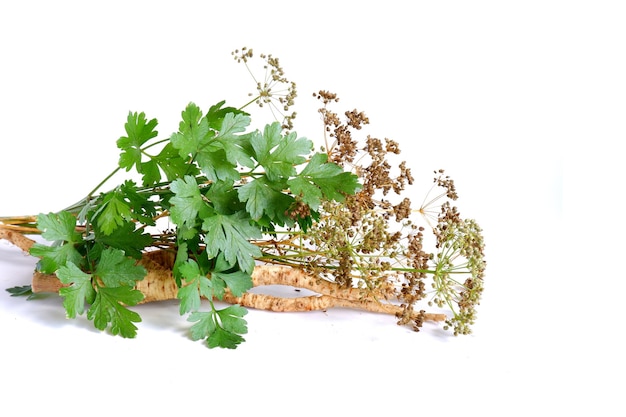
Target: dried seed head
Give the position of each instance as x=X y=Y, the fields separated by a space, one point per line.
x=275 y=91
x=354 y=243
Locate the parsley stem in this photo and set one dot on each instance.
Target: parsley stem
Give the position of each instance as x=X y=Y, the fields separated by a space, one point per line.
x=155 y=143
x=97 y=187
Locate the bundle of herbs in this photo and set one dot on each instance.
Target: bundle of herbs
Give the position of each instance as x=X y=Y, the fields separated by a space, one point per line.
x=221 y=209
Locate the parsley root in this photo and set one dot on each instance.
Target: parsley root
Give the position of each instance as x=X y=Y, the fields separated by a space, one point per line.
x=159 y=285
x=13 y=235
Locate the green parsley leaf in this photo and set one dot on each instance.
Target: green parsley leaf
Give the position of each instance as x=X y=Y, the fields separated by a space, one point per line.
x=182 y=254
x=217 y=113
x=232 y=320
x=233 y=144
x=225 y=333
x=127 y=238
x=216 y=148
x=187 y=202
x=205 y=324
x=224 y=197
x=120 y=205
x=309 y=192
x=215 y=164
x=277 y=154
x=58 y=226
x=323 y=179
x=193 y=132
x=79 y=292
x=232 y=326
x=263 y=143
x=116 y=269
x=230 y=234
x=24 y=290
x=237 y=281
x=224 y=339
x=20 y=290
x=263 y=197
x=196 y=286
x=142 y=208
x=113 y=211
x=173 y=165
x=109 y=306
x=150 y=171
x=255 y=193
x=55 y=256
x=138 y=130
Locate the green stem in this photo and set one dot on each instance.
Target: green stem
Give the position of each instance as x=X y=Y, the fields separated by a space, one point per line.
x=81 y=203
x=146 y=153
x=154 y=144
x=89 y=196
x=97 y=187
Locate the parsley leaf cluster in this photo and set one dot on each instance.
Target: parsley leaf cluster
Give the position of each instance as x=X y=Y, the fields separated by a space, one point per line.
x=221 y=188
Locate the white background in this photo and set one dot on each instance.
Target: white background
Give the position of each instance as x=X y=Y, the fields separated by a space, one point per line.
x=523 y=103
